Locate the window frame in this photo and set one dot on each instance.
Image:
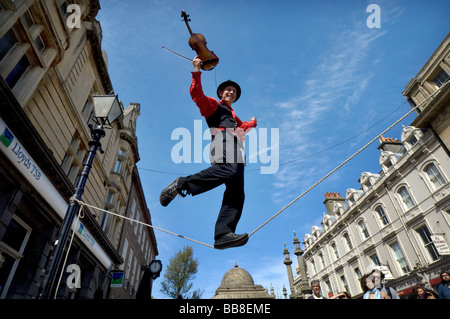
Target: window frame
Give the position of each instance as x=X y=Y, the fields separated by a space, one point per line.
x=26 y=62
x=16 y=255
x=439 y=176
x=382 y=217
x=427 y=242
x=405 y=269
x=403 y=200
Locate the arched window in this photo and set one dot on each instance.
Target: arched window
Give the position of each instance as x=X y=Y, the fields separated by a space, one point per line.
x=313 y=267
x=348 y=241
x=382 y=215
x=405 y=197
x=322 y=260
x=364 y=230
x=335 y=250
x=434 y=176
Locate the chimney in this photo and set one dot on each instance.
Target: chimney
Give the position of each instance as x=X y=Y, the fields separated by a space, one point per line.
x=330 y=199
x=390 y=144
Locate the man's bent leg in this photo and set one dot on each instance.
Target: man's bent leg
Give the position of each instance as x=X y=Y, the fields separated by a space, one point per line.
x=207 y=179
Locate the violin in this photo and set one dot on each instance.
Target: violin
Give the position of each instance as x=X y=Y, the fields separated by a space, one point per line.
x=197 y=42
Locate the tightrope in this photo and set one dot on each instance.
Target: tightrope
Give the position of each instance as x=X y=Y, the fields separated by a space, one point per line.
x=81 y=203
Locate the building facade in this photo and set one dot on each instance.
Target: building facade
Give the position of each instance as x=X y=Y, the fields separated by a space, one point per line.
x=51 y=64
x=137 y=245
x=434 y=113
x=391 y=221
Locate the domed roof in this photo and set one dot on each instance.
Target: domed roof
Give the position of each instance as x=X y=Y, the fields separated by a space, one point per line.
x=237 y=277
x=237 y=283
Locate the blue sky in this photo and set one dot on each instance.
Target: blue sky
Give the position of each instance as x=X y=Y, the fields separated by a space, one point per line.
x=313 y=70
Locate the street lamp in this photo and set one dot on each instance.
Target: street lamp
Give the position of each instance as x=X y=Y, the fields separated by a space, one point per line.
x=107 y=109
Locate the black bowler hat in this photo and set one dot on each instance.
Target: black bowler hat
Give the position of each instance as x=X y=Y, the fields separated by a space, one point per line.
x=229 y=83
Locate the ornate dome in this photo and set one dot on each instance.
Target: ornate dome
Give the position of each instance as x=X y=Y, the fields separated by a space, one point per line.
x=237 y=277
x=237 y=283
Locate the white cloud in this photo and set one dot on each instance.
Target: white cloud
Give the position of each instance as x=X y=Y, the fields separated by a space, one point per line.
x=337 y=83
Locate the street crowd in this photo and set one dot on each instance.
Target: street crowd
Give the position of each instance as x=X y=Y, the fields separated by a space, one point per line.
x=374 y=287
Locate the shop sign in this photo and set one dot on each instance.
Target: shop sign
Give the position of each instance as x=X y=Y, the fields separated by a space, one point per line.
x=440 y=244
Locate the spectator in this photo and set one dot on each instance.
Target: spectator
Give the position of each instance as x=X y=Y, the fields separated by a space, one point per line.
x=444 y=287
x=342 y=295
x=429 y=294
x=417 y=292
x=379 y=283
x=369 y=289
x=316 y=290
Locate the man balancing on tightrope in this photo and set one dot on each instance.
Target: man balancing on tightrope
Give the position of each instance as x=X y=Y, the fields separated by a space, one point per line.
x=227 y=163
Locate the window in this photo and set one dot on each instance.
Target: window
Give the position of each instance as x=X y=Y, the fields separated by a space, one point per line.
x=322 y=260
x=382 y=215
x=412 y=140
x=138 y=217
x=118 y=166
x=313 y=267
x=73 y=160
x=348 y=241
x=107 y=221
x=358 y=273
x=330 y=290
x=400 y=257
x=25 y=49
x=35 y=31
x=119 y=163
x=434 y=176
x=428 y=243
x=133 y=273
x=128 y=268
x=12 y=247
x=405 y=197
x=124 y=254
x=336 y=252
x=440 y=78
x=344 y=283
x=110 y=199
x=133 y=209
x=13 y=59
x=6 y=43
x=375 y=260
x=364 y=230
x=63 y=8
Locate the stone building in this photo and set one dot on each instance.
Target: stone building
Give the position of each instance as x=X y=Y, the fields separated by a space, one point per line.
x=50 y=68
x=137 y=245
x=434 y=114
x=237 y=283
x=398 y=219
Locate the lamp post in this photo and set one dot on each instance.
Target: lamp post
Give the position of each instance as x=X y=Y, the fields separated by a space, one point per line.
x=153 y=270
x=106 y=110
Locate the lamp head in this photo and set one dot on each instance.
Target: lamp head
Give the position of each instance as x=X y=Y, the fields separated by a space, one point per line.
x=107 y=108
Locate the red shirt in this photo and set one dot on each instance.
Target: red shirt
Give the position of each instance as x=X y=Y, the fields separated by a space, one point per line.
x=208 y=105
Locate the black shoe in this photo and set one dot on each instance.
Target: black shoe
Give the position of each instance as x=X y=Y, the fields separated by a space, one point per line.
x=169 y=193
x=231 y=240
